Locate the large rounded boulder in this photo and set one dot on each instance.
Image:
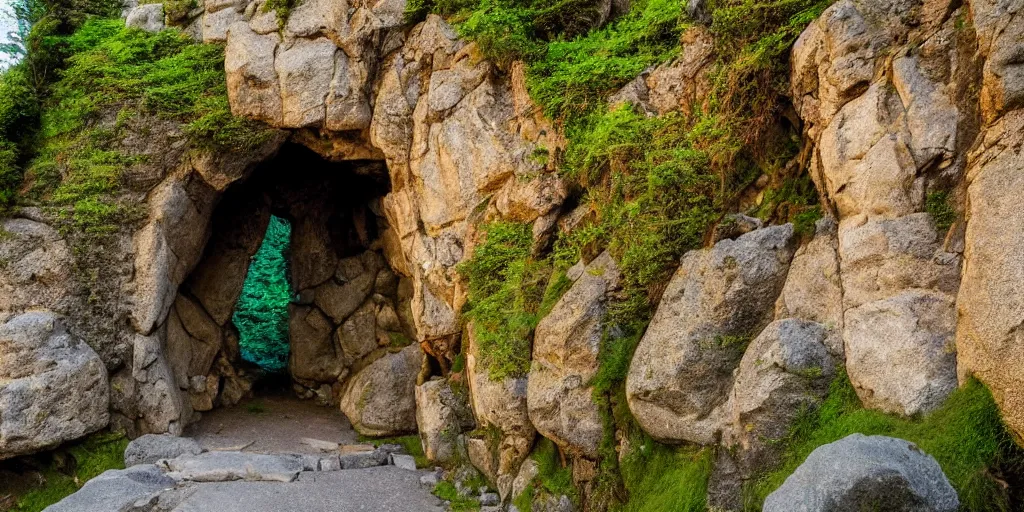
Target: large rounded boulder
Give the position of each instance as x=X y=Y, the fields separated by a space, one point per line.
x=862 y=472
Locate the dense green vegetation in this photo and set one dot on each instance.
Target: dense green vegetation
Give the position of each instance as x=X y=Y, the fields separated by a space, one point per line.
x=261 y=314
x=661 y=478
x=654 y=185
x=72 y=467
x=84 y=83
x=114 y=75
x=966 y=436
x=505 y=289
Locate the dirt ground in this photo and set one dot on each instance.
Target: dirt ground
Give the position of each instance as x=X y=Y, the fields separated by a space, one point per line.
x=271 y=424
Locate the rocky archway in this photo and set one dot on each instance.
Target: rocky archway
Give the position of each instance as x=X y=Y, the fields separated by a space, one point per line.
x=349 y=309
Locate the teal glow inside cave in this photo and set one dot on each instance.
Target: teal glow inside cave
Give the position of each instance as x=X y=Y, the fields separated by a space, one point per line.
x=261 y=314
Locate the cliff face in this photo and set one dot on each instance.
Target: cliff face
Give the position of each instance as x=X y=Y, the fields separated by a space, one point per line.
x=911 y=119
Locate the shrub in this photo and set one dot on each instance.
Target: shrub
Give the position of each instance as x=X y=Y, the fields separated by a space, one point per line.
x=505 y=291
x=943 y=213
x=261 y=314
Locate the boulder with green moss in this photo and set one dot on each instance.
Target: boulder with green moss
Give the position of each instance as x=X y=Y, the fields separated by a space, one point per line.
x=866 y=473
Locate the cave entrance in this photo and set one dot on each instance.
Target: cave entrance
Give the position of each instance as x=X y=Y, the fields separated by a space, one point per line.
x=293 y=293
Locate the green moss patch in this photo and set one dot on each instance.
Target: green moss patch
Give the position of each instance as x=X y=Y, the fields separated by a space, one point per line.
x=506 y=288
x=72 y=467
x=113 y=76
x=966 y=436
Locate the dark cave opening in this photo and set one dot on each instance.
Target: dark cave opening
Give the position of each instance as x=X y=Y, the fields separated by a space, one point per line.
x=295 y=277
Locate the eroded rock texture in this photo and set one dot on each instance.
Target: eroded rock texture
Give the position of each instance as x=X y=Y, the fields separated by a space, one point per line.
x=717 y=300
x=889 y=123
x=565 y=350
x=896 y=100
x=53 y=387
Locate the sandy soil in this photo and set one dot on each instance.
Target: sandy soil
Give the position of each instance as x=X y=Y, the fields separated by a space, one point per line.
x=271 y=424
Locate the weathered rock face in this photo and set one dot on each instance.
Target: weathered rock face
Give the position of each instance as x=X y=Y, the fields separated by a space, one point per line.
x=717 y=300
x=380 y=400
x=565 y=349
x=37 y=269
x=859 y=472
x=899 y=352
x=785 y=371
x=499 y=406
x=441 y=416
x=881 y=142
x=813 y=289
x=53 y=387
x=989 y=342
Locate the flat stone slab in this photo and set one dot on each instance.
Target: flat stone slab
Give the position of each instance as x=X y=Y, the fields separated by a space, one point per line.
x=360 y=460
x=407 y=462
x=150 y=448
x=228 y=466
x=319 y=444
x=115 y=489
x=379 y=489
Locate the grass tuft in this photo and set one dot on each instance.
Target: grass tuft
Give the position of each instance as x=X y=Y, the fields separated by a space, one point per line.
x=456 y=502
x=86 y=460
x=661 y=478
x=966 y=436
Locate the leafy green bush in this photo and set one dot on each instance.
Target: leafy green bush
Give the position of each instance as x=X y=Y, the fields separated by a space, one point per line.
x=966 y=436
x=571 y=77
x=261 y=314
x=19 y=112
x=938 y=205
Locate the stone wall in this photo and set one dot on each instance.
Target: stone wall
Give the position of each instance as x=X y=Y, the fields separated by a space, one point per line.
x=896 y=101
